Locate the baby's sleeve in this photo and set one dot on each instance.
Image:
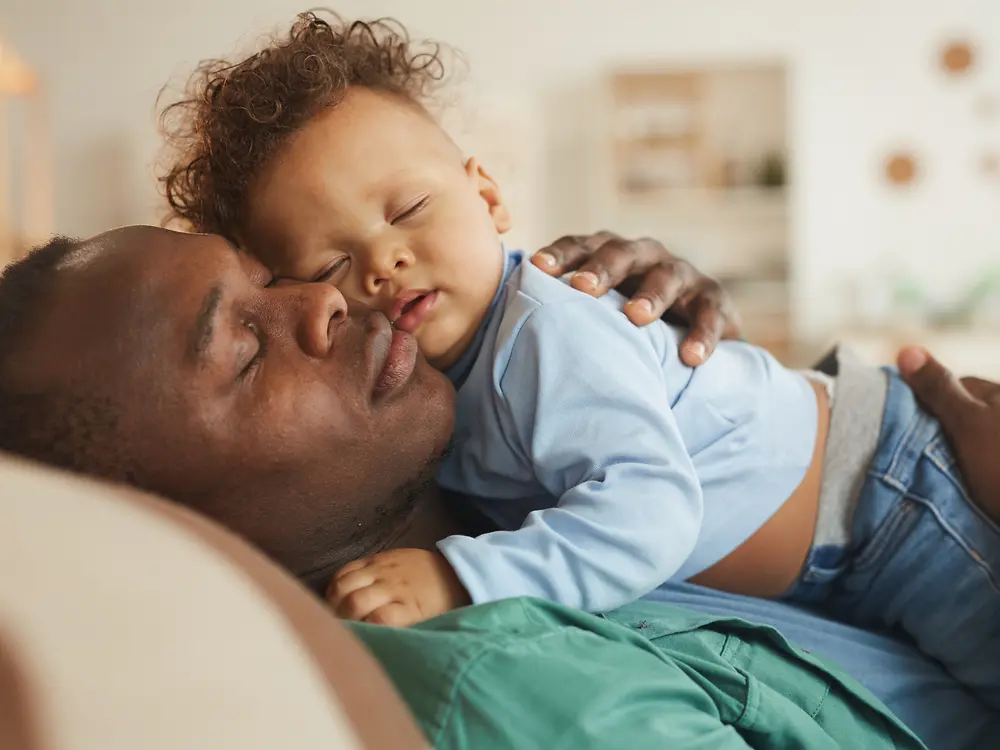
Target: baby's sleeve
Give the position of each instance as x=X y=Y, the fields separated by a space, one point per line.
x=588 y=402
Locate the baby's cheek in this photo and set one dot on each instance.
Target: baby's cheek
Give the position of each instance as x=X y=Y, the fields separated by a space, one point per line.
x=437 y=343
x=430 y=339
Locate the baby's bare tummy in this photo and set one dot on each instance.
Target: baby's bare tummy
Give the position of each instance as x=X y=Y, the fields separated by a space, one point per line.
x=770 y=561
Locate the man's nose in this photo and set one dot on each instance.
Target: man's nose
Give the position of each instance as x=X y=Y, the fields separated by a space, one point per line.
x=319 y=310
x=384 y=261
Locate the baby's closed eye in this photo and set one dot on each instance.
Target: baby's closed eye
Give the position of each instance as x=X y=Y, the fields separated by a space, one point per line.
x=334 y=271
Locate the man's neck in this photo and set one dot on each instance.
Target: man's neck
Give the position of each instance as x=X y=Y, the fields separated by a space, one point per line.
x=429 y=523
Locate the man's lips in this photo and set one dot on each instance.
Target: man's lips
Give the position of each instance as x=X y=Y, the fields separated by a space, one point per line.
x=411 y=307
x=394 y=355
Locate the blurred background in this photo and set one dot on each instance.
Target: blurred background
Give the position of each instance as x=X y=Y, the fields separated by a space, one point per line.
x=836 y=164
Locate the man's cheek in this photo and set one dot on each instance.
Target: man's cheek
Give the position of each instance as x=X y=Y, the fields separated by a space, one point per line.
x=326 y=424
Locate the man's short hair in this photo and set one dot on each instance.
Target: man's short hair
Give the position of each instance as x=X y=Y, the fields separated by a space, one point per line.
x=62 y=425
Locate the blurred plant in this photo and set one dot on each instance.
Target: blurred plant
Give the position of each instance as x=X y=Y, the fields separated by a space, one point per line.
x=980 y=303
x=771 y=173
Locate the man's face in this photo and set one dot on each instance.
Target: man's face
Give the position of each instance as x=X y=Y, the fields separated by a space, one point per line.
x=276 y=409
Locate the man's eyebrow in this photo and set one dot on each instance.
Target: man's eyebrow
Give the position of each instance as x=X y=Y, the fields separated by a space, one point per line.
x=204 y=326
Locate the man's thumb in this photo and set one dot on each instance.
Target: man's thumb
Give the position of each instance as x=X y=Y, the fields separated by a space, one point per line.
x=933 y=383
x=911 y=360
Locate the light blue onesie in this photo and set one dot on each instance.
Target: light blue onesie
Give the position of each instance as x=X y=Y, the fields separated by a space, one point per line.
x=613 y=466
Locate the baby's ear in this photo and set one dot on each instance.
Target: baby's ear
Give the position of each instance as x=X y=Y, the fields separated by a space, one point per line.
x=489 y=191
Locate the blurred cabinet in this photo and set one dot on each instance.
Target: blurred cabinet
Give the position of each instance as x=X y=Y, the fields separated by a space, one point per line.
x=697 y=159
x=25 y=158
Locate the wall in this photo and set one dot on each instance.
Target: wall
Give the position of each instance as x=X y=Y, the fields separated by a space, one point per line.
x=861 y=81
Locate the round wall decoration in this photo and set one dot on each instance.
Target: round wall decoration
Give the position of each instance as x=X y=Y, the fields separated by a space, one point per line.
x=901 y=168
x=957 y=58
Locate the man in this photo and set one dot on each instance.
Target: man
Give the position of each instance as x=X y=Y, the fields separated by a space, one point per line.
x=310 y=429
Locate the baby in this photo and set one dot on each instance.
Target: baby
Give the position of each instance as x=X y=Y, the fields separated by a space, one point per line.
x=608 y=466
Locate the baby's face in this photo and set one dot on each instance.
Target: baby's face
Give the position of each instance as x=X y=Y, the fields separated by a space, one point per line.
x=373 y=197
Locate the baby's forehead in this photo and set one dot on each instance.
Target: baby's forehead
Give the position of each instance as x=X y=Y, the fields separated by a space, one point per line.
x=375 y=123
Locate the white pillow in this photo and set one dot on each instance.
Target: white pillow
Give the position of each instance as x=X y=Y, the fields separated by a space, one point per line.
x=119 y=631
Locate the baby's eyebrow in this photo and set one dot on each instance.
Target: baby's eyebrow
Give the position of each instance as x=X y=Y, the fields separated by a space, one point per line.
x=247 y=255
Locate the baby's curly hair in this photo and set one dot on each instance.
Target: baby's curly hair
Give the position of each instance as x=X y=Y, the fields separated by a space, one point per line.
x=234 y=117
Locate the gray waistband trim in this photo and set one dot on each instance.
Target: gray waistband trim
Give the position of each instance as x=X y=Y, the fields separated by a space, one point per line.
x=855 y=423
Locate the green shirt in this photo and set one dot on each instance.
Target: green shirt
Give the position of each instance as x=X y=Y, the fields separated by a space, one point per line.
x=522 y=673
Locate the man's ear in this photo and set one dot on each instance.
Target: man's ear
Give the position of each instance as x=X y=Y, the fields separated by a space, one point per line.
x=489 y=191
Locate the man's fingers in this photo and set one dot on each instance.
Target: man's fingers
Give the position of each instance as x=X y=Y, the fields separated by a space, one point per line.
x=982 y=390
x=360 y=604
x=935 y=385
x=658 y=291
x=708 y=323
x=567 y=253
x=615 y=260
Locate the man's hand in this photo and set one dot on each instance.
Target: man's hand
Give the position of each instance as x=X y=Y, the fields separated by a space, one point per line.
x=655 y=279
x=399 y=587
x=969 y=412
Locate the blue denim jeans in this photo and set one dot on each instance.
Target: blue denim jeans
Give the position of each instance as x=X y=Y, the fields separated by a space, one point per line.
x=923 y=560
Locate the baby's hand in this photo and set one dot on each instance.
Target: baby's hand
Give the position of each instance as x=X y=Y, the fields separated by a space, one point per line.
x=399 y=587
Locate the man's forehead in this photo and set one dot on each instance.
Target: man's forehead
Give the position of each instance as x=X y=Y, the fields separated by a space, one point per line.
x=138 y=287
x=85 y=254
x=122 y=294
x=153 y=258
x=139 y=238
x=119 y=317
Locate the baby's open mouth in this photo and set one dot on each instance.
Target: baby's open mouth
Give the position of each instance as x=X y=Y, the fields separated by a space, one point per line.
x=410 y=305
x=412 y=311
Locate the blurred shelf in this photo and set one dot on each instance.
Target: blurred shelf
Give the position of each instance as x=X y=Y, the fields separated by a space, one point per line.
x=690 y=157
x=656 y=141
x=749 y=202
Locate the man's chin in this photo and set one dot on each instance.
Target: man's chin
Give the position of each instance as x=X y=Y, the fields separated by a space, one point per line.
x=430 y=414
x=387 y=522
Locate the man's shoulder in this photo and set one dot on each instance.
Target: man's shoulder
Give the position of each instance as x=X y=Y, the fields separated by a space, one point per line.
x=429 y=663
x=449 y=643
x=438 y=665
x=480 y=675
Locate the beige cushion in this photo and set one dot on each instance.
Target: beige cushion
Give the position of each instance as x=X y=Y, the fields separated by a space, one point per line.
x=121 y=628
